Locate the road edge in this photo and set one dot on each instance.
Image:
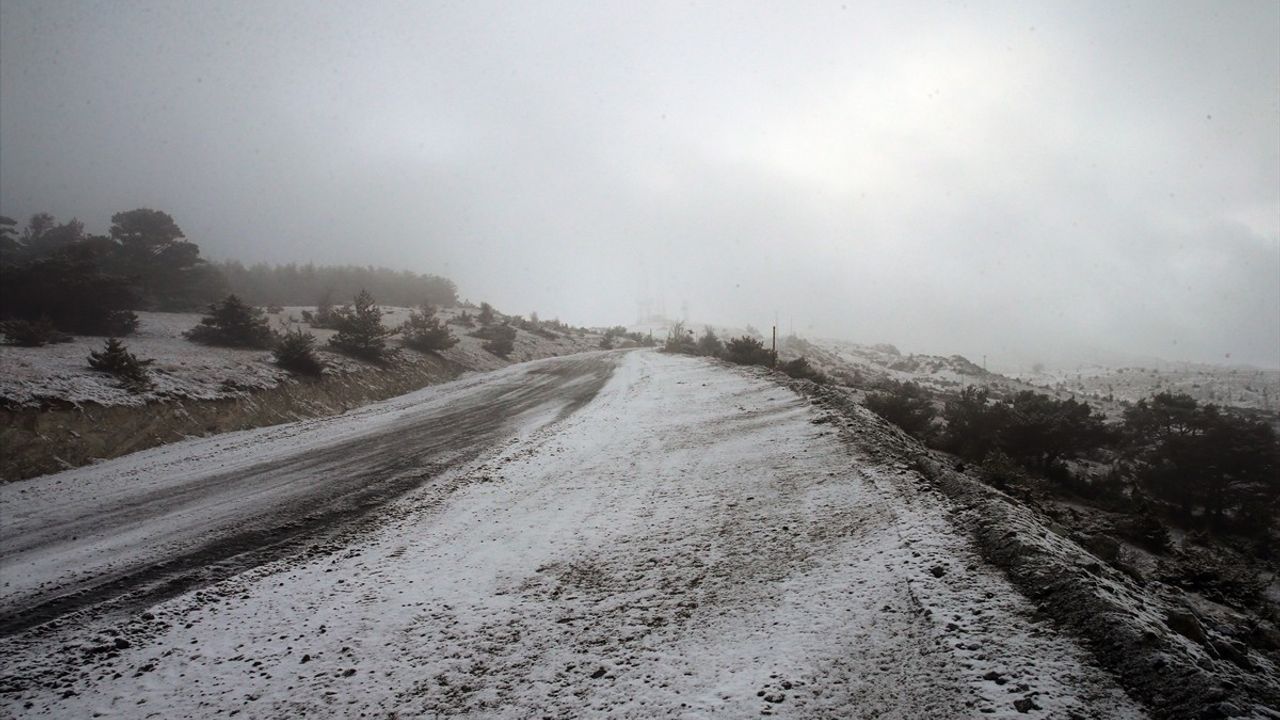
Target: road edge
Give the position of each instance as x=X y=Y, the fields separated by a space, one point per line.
x=1173 y=673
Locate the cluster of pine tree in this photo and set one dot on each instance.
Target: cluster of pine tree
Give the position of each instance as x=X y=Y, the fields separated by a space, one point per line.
x=91 y=284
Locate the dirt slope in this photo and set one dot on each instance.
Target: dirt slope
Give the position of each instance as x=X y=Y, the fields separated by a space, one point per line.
x=56 y=413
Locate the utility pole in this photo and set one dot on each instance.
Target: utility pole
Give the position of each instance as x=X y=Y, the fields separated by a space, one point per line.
x=775 y=344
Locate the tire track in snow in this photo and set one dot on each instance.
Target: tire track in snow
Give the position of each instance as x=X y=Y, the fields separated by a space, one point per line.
x=691 y=543
x=210 y=525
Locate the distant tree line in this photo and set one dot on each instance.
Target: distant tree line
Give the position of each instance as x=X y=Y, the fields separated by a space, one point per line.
x=56 y=279
x=323 y=285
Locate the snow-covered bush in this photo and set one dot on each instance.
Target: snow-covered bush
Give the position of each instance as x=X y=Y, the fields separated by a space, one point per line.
x=905 y=404
x=232 y=323
x=680 y=340
x=117 y=360
x=501 y=339
x=709 y=344
x=464 y=318
x=424 y=331
x=747 y=350
x=32 y=333
x=360 y=331
x=296 y=353
x=326 y=316
x=801 y=369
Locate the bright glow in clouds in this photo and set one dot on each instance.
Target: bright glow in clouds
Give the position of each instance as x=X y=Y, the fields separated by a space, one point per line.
x=1024 y=181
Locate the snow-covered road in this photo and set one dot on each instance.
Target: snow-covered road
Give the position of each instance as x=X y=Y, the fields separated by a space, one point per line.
x=158 y=522
x=687 y=540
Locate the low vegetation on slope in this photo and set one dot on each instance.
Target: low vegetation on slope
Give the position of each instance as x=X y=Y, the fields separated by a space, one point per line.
x=742 y=350
x=1152 y=535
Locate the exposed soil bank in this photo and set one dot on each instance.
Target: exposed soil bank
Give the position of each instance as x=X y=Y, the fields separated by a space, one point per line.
x=1180 y=662
x=57 y=413
x=42 y=440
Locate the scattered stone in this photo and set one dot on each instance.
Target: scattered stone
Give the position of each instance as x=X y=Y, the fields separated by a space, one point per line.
x=774 y=698
x=1222 y=709
x=1233 y=651
x=1105 y=547
x=995 y=677
x=305 y=659
x=599 y=673
x=1185 y=624
x=938 y=571
x=1264 y=637
x=1133 y=571
x=121 y=643
x=1025 y=705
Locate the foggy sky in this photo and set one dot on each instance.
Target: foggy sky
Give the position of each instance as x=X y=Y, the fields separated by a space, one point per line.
x=1018 y=180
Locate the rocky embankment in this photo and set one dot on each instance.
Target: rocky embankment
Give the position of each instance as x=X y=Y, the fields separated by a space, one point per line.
x=39 y=440
x=1181 y=654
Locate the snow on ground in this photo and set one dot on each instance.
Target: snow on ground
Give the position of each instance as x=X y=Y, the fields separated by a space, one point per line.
x=182 y=369
x=692 y=543
x=190 y=477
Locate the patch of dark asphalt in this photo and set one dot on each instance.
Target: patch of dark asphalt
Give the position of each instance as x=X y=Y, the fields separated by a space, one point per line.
x=346 y=484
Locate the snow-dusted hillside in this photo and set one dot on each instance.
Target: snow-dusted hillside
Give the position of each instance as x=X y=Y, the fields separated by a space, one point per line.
x=1242 y=387
x=57 y=412
x=59 y=374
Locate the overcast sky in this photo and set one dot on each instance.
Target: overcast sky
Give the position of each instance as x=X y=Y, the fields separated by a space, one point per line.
x=1020 y=180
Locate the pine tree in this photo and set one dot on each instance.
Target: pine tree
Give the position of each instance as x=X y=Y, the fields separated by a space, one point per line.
x=500 y=339
x=486 y=313
x=360 y=331
x=296 y=353
x=32 y=333
x=234 y=324
x=118 y=361
x=709 y=344
x=424 y=331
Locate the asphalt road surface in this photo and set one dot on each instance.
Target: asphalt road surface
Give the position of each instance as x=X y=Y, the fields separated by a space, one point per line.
x=174 y=525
